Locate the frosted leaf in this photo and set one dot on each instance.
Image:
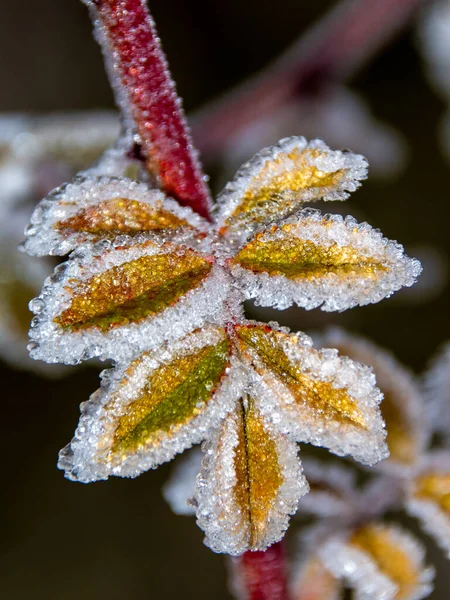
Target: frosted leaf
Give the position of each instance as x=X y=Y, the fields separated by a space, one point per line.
x=157 y=406
x=332 y=492
x=436 y=386
x=180 y=488
x=114 y=300
x=93 y=208
x=317 y=260
x=313 y=581
x=76 y=138
x=336 y=498
x=429 y=497
x=250 y=483
x=402 y=407
x=380 y=495
x=315 y=396
x=277 y=180
x=379 y=561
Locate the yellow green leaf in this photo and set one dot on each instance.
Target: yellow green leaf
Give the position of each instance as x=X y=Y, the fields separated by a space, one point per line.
x=258 y=472
x=322 y=260
x=297 y=258
x=172 y=396
x=134 y=290
x=320 y=396
x=279 y=179
x=252 y=482
x=121 y=216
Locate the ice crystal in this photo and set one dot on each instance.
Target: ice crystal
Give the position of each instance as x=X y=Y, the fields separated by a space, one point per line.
x=159 y=291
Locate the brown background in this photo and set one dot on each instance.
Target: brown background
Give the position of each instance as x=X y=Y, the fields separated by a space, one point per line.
x=114 y=540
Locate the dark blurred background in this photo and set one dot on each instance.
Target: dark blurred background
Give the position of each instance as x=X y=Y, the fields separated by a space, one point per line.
x=118 y=539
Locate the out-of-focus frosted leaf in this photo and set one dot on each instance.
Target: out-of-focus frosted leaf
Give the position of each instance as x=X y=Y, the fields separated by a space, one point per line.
x=429 y=497
x=379 y=561
x=20 y=280
x=332 y=491
x=179 y=490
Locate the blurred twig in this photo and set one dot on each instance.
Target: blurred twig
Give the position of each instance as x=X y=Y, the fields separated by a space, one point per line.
x=331 y=51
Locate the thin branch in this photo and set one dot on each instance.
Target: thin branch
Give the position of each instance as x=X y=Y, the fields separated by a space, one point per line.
x=332 y=50
x=147 y=97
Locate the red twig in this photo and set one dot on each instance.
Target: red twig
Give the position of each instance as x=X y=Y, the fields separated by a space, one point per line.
x=133 y=54
x=262 y=575
x=332 y=50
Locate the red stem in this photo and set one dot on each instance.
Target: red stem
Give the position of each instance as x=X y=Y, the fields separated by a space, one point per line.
x=133 y=54
x=333 y=49
x=262 y=575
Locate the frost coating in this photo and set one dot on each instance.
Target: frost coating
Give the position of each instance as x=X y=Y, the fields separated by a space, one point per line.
x=341 y=264
x=91 y=455
x=289 y=156
x=47 y=234
x=53 y=343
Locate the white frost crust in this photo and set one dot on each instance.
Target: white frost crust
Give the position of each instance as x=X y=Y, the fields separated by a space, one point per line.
x=180 y=489
x=227 y=529
x=433 y=519
x=304 y=424
x=337 y=495
x=87 y=458
x=331 y=292
x=358 y=569
x=83 y=192
x=394 y=379
x=249 y=177
x=436 y=386
x=67 y=134
x=51 y=343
